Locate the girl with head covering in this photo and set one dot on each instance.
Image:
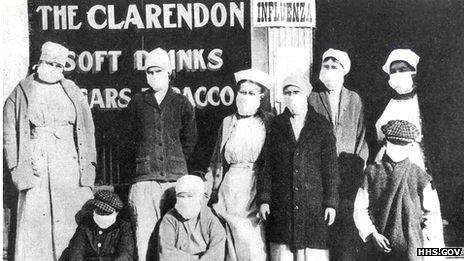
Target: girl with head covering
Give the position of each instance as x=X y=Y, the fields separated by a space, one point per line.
x=298 y=187
x=49 y=147
x=401 y=65
x=235 y=165
x=190 y=231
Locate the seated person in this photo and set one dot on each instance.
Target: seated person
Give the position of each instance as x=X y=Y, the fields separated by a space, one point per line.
x=103 y=235
x=190 y=231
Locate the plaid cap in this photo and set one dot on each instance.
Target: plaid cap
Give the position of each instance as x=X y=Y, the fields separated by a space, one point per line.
x=400 y=131
x=106 y=202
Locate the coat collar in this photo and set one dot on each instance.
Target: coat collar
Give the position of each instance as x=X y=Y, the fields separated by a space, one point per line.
x=149 y=97
x=344 y=101
x=308 y=127
x=68 y=86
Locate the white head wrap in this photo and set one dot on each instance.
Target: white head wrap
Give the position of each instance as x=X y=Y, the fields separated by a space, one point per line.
x=341 y=56
x=159 y=58
x=401 y=55
x=256 y=76
x=190 y=184
x=53 y=52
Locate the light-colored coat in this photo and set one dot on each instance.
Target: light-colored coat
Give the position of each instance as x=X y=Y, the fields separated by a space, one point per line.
x=17 y=134
x=350 y=129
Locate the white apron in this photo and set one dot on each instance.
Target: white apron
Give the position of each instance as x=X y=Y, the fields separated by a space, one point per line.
x=237 y=194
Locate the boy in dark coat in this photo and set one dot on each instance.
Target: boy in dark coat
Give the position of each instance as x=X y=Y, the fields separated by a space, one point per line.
x=298 y=189
x=104 y=236
x=397 y=209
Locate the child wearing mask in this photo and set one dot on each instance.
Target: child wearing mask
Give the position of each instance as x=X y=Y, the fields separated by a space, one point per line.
x=103 y=235
x=397 y=209
x=190 y=231
x=298 y=188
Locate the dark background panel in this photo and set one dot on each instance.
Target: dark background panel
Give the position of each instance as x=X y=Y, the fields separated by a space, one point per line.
x=369 y=31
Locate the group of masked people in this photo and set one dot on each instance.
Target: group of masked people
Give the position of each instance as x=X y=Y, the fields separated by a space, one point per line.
x=295 y=186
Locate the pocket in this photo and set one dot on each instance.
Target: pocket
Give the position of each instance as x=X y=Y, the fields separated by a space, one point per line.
x=178 y=165
x=142 y=165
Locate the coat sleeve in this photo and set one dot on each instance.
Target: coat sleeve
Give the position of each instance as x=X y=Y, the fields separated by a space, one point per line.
x=329 y=165
x=264 y=175
x=78 y=245
x=217 y=242
x=188 y=135
x=167 y=243
x=125 y=249
x=89 y=130
x=362 y=148
x=10 y=141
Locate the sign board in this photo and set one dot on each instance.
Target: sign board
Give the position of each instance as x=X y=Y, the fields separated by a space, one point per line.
x=207 y=42
x=284 y=13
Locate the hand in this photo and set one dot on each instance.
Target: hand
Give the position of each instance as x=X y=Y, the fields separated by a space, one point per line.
x=329 y=216
x=381 y=242
x=264 y=211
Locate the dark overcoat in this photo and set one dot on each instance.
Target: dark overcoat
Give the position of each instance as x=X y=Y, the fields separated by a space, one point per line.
x=299 y=181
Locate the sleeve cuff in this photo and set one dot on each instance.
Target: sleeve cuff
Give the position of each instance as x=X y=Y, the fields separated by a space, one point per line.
x=264 y=198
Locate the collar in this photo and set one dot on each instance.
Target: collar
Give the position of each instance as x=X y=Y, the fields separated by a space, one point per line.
x=406 y=96
x=390 y=164
x=336 y=92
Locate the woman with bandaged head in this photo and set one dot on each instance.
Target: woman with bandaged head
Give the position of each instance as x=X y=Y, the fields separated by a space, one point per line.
x=49 y=148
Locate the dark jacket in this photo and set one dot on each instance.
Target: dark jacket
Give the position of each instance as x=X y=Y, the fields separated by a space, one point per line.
x=163 y=135
x=218 y=165
x=116 y=242
x=299 y=181
x=17 y=134
x=395 y=205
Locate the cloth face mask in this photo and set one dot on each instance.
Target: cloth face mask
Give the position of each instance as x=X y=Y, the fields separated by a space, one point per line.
x=49 y=73
x=105 y=221
x=297 y=104
x=402 y=82
x=332 y=79
x=188 y=207
x=157 y=82
x=247 y=105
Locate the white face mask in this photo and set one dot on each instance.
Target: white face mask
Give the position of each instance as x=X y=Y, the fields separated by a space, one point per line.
x=333 y=79
x=396 y=152
x=189 y=207
x=296 y=103
x=105 y=221
x=247 y=105
x=158 y=81
x=49 y=73
x=401 y=82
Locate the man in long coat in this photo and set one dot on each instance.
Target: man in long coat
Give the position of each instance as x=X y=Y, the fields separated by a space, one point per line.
x=298 y=190
x=344 y=109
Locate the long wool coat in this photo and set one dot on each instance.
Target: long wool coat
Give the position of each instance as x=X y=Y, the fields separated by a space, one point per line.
x=17 y=134
x=299 y=181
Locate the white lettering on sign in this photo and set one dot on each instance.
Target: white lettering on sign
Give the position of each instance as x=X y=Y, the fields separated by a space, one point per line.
x=190 y=60
x=87 y=62
x=158 y=16
x=111 y=98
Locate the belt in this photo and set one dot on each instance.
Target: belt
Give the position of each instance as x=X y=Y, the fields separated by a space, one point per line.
x=59 y=132
x=242 y=165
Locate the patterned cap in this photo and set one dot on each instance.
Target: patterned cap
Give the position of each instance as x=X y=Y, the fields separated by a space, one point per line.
x=400 y=131
x=107 y=202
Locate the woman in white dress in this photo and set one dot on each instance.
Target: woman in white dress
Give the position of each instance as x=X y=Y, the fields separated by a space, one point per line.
x=235 y=164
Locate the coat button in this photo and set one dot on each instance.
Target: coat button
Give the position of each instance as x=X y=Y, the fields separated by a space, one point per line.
x=296 y=171
x=99 y=244
x=296 y=188
x=296 y=207
x=100 y=232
